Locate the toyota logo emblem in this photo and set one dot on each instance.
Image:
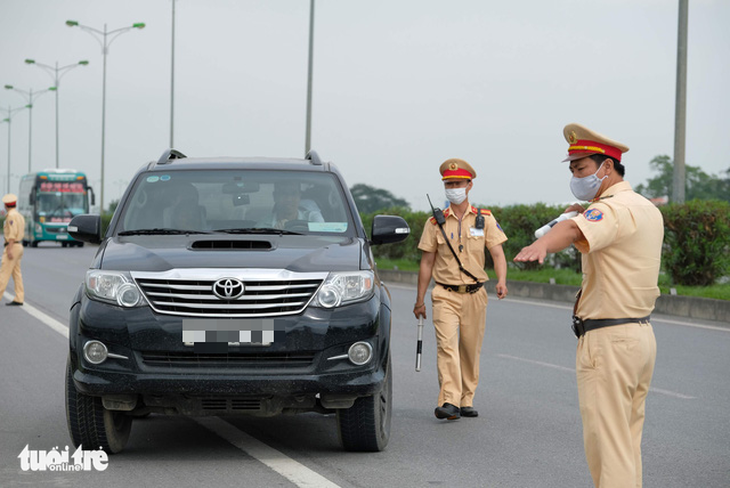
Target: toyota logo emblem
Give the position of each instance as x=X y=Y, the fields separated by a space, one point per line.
x=228 y=288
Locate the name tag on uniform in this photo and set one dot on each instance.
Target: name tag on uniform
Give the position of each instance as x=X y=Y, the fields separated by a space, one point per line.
x=476 y=232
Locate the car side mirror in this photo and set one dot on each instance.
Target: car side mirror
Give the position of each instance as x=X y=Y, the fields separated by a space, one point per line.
x=86 y=227
x=389 y=228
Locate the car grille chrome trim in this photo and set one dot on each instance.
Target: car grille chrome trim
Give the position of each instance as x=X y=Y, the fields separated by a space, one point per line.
x=189 y=292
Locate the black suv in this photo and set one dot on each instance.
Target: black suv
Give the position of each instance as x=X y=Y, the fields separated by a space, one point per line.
x=231 y=286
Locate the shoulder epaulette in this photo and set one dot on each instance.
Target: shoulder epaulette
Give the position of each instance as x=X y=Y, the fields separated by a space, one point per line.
x=484 y=210
x=447 y=212
x=432 y=220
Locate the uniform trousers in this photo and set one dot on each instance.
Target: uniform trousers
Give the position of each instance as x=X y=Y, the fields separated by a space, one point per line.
x=11 y=267
x=614 y=366
x=459 y=320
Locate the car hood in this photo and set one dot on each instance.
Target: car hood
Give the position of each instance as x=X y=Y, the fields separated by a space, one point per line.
x=293 y=253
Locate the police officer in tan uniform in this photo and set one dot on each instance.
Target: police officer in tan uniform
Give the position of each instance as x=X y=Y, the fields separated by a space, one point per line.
x=14 y=231
x=620 y=237
x=459 y=298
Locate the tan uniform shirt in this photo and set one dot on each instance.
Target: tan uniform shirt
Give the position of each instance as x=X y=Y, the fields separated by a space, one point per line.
x=621 y=255
x=14 y=226
x=468 y=243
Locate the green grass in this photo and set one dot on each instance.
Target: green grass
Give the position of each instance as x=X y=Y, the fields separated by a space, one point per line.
x=569 y=277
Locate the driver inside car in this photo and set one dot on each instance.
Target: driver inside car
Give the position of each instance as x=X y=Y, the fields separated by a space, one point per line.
x=288 y=206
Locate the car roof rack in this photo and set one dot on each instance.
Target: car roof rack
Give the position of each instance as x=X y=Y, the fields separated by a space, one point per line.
x=169 y=155
x=313 y=158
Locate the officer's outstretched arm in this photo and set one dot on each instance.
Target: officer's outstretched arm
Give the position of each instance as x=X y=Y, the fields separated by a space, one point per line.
x=424 y=278
x=561 y=236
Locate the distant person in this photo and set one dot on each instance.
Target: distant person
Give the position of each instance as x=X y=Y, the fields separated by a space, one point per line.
x=14 y=232
x=459 y=298
x=288 y=206
x=185 y=213
x=620 y=236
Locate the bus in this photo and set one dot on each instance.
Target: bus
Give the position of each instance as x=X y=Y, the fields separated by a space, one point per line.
x=48 y=200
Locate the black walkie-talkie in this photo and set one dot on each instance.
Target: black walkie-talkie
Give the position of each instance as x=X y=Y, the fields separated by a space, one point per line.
x=480 y=220
x=438 y=214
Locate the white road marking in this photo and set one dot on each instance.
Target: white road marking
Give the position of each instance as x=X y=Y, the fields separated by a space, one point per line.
x=43 y=317
x=295 y=472
x=572 y=370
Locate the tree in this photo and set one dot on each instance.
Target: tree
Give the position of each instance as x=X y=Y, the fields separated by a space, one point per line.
x=370 y=199
x=698 y=184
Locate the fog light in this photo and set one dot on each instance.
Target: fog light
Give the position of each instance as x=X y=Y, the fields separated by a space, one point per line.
x=95 y=352
x=360 y=353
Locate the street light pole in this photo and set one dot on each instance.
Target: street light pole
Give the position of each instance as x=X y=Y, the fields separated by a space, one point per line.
x=172 y=79
x=56 y=74
x=10 y=113
x=104 y=38
x=308 y=136
x=30 y=96
x=680 y=111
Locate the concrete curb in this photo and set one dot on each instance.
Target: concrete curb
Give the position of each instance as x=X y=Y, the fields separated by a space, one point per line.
x=680 y=306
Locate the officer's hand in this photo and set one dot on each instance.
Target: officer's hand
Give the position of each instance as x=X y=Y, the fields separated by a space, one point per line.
x=501 y=289
x=10 y=253
x=534 y=252
x=576 y=207
x=419 y=311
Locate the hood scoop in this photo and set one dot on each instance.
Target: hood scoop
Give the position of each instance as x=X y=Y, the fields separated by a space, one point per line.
x=231 y=244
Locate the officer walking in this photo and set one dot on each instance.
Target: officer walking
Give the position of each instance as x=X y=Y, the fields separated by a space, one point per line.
x=453 y=254
x=620 y=237
x=14 y=231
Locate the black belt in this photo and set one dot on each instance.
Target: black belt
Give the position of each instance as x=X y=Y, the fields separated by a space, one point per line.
x=473 y=288
x=580 y=327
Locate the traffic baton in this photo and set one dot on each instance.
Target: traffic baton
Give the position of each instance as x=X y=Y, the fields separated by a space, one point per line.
x=419 y=344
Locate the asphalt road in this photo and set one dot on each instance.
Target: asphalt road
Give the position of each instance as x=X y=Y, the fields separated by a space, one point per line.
x=528 y=433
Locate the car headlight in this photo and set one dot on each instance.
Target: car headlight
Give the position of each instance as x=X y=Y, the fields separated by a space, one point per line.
x=342 y=288
x=113 y=287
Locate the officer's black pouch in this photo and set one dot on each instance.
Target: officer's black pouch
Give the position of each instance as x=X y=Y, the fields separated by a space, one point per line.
x=578 y=327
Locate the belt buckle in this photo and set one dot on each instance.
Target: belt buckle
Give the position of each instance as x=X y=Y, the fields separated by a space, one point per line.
x=461 y=289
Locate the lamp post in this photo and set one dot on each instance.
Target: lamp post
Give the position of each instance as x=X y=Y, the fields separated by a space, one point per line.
x=104 y=38
x=308 y=133
x=56 y=74
x=172 y=79
x=30 y=96
x=10 y=113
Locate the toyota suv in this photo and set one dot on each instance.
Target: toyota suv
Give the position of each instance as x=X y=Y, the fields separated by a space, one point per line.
x=227 y=286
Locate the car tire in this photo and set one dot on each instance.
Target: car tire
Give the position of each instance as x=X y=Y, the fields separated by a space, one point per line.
x=90 y=424
x=34 y=244
x=365 y=426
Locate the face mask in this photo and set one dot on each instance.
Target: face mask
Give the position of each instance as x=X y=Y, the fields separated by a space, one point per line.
x=456 y=195
x=586 y=188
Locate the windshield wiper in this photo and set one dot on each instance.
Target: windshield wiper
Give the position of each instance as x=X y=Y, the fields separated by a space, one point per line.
x=157 y=231
x=265 y=230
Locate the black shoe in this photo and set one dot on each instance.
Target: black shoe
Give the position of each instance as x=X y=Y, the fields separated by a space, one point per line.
x=14 y=303
x=447 y=411
x=469 y=412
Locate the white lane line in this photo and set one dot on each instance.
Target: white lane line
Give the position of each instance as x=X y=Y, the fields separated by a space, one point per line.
x=46 y=319
x=572 y=370
x=295 y=472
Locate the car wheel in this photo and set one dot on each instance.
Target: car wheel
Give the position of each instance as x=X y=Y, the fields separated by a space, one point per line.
x=366 y=425
x=34 y=244
x=90 y=424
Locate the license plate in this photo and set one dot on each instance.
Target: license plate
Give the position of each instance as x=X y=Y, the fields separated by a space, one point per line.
x=231 y=332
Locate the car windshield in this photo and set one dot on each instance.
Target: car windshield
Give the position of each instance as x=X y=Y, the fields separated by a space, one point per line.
x=236 y=202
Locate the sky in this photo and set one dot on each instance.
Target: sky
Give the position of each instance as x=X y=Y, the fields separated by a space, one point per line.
x=399 y=86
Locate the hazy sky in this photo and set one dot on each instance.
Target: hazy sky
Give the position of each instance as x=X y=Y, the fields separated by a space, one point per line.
x=399 y=86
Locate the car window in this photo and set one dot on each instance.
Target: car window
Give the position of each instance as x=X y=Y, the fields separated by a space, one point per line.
x=236 y=201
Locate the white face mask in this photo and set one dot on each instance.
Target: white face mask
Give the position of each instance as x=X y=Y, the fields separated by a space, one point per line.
x=586 y=188
x=456 y=195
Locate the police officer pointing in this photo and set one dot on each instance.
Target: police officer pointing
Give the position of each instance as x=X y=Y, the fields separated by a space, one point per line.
x=453 y=254
x=620 y=237
x=13 y=231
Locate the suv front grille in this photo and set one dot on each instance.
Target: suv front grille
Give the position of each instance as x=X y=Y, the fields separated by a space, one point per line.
x=231 y=359
x=191 y=292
